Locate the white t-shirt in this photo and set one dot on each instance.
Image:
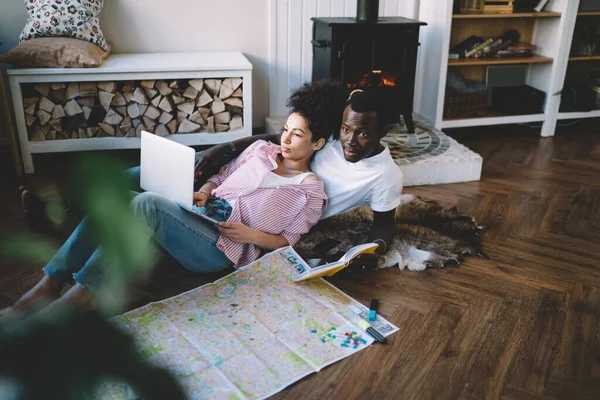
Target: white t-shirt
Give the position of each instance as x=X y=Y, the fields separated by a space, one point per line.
x=376 y=180
x=272 y=179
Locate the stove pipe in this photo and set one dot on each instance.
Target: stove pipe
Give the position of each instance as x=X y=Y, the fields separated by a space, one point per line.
x=367 y=10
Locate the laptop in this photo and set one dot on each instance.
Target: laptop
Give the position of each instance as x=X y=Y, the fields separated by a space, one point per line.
x=167 y=168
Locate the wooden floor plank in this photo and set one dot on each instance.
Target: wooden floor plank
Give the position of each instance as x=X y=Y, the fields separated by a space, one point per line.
x=491 y=363
x=422 y=349
x=531 y=368
x=447 y=377
x=579 y=349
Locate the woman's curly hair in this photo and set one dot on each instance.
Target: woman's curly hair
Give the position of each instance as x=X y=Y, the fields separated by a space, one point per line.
x=322 y=103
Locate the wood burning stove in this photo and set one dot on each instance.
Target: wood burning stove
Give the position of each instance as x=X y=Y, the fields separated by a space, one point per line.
x=378 y=55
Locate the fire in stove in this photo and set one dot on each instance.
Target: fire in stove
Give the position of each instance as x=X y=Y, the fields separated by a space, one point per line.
x=375 y=78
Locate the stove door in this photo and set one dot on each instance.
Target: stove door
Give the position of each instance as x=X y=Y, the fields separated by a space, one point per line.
x=369 y=61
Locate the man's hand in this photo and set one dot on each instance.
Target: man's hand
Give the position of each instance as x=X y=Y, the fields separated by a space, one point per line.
x=211 y=159
x=364 y=263
x=237 y=232
x=200 y=198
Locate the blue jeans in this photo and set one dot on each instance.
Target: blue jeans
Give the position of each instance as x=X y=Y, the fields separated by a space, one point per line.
x=189 y=239
x=215 y=208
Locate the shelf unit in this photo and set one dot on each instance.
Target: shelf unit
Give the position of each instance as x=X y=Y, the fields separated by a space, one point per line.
x=582 y=64
x=550 y=30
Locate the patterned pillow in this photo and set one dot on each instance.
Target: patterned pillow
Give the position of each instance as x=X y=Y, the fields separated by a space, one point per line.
x=78 y=19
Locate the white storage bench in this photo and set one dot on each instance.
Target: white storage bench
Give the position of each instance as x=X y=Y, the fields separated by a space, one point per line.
x=192 y=98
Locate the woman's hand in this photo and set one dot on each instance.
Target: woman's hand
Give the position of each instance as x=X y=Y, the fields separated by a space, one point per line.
x=200 y=198
x=238 y=232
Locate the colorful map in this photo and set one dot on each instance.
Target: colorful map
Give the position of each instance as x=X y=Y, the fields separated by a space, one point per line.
x=249 y=334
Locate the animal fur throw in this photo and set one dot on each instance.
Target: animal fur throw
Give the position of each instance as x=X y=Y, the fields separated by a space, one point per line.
x=428 y=235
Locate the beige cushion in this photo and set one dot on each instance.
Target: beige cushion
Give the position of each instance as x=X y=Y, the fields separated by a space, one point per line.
x=55 y=52
x=78 y=19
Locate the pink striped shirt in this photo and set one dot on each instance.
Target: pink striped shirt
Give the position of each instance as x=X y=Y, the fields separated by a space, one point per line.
x=286 y=210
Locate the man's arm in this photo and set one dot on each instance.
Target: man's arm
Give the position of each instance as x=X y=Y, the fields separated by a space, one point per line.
x=382 y=232
x=383 y=229
x=212 y=159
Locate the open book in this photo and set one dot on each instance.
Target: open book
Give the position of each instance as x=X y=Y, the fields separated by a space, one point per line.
x=333 y=267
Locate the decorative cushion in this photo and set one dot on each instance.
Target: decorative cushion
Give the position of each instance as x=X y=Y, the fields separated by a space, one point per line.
x=78 y=19
x=55 y=53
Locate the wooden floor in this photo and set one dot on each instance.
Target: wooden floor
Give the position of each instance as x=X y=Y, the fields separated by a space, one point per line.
x=525 y=324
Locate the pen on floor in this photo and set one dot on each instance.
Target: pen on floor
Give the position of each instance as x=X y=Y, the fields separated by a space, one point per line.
x=365 y=326
x=373 y=310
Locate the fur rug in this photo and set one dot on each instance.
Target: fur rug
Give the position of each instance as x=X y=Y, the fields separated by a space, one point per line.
x=428 y=235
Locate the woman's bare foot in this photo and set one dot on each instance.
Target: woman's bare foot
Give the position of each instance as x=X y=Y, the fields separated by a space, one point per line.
x=44 y=292
x=77 y=296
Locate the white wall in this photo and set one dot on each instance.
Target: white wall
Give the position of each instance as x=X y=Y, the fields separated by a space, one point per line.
x=137 y=26
x=12 y=19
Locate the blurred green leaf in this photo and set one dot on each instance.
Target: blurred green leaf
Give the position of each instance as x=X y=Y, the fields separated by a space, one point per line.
x=103 y=192
x=55 y=210
x=28 y=248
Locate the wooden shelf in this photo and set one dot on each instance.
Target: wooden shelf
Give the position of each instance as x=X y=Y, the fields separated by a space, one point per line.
x=584 y=58
x=544 y=14
x=462 y=62
x=579 y=114
x=587 y=13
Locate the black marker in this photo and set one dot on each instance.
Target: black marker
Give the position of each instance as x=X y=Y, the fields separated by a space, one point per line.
x=364 y=325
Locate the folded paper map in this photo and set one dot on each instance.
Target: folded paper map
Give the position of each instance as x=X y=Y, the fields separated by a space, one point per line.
x=249 y=334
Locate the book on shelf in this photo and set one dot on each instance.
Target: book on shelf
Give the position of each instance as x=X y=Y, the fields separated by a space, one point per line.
x=495 y=50
x=336 y=266
x=509 y=38
x=514 y=54
x=483 y=52
x=480 y=47
x=540 y=5
x=522 y=47
x=466 y=45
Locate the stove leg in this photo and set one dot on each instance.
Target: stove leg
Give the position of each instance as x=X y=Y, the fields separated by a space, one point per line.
x=408 y=121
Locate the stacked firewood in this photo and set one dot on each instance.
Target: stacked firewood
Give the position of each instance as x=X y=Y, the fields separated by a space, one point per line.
x=80 y=110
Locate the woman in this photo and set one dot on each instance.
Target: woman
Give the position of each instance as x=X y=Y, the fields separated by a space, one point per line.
x=268 y=197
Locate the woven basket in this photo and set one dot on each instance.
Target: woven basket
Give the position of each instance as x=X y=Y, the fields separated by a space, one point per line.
x=498 y=6
x=465 y=105
x=471 y=6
